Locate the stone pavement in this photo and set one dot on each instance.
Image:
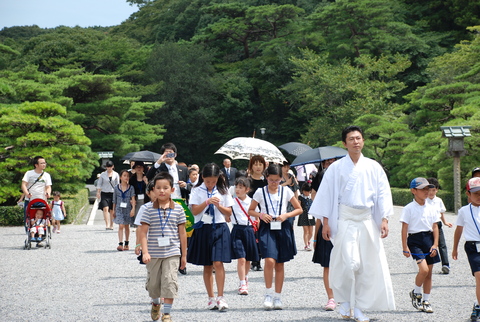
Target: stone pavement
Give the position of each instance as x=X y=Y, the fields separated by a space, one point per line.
x=84 y=278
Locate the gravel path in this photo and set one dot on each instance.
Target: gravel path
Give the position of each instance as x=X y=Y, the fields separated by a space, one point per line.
x=83 y=278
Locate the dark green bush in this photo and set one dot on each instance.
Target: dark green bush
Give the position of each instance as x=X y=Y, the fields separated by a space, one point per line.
x=11 y=216
x=77 y=207
x=401 y=197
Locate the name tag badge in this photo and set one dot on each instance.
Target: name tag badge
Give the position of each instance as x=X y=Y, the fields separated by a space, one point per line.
x=141 y=196
x=310 y=216
x=207 y=219
x=275 y=225
x=123 y=205
x=163 y=241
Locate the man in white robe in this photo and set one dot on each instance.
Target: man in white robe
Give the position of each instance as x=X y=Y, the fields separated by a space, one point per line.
x=354 y=202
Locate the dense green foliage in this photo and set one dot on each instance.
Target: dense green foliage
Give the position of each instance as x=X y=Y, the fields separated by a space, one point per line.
x=198 y=73
x=76 y=207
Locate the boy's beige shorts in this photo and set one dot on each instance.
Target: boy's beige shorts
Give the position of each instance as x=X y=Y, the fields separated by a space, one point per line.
x=162 y=276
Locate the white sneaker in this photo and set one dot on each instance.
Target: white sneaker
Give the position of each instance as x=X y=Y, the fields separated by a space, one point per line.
x=268 y=302
x=212 y=304
x=222 y=304
x=344 y=310
x=359 y=316
x=277 y=304
x=243 y=290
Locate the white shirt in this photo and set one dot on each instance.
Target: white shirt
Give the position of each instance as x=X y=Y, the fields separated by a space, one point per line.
x=173 y=171
x=138 y=219
x=240 y=216
x=303 y=175
x=438 y=204
x=419 y=218
x=37 y=188
x=364 y=185
x=273 y=200
x=464 y=219
x=200 y=194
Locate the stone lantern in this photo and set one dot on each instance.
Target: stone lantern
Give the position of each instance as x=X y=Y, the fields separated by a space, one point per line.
x=456 y=149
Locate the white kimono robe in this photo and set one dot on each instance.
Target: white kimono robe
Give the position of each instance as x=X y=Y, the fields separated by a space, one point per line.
x=355 y=198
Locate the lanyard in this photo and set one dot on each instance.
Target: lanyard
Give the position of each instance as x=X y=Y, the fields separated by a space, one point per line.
x=166 y=221
x=278 y=202
x=473 y=218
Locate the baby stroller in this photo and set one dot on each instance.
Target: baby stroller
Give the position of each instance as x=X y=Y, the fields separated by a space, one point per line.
x=40 y=227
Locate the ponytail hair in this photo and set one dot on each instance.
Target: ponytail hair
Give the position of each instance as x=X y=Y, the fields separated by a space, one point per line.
x=213 y=170
x=273 y=169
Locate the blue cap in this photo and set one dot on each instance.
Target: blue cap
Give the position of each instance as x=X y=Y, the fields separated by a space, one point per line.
x=420 y=183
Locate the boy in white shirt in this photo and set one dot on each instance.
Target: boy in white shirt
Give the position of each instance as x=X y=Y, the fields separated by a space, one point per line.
x=468 y=222
x=420 y=240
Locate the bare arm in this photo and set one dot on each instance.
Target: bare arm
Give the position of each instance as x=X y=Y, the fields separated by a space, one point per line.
x=142 y=235
x=297 y=211
x=182 y=233
x=326 y=232
x=406 y=250
x=456 y=240
x=434 y=248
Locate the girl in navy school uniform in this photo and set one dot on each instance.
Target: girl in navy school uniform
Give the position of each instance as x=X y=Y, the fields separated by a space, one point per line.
x=276 y=238
x=209 y=245
x=244 y=245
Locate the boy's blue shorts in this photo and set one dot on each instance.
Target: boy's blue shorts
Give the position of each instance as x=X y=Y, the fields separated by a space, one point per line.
x=473 y=256
x=420 y=244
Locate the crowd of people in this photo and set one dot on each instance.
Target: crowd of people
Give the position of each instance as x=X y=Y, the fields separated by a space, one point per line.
x=248 y=216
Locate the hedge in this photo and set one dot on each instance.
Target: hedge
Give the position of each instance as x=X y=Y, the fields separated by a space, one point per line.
x=402 y=197
x=77 y=207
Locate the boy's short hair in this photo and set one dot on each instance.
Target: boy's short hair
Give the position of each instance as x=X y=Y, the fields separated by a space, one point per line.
x=56 y=193
x=150 y=185
x=420 y=183
x=163 y=176
x=475 y=170
x=473 y=185
x=306 y=187
x=191 y=170
x=243 y=181
x=434 y=181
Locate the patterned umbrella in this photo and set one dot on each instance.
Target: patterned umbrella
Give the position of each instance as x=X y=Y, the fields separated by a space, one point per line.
x=295 y=148
x=319 y=154
x=145 y=156
x=246 y=147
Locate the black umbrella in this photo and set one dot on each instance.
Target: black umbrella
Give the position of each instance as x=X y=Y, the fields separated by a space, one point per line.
x=319 y=154
x=145 y=156
x=295 y=148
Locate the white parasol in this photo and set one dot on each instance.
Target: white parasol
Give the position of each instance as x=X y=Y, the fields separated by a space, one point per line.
x=246 y=147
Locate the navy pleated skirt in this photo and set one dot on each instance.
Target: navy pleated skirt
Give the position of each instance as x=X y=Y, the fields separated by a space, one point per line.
x=208 y=245
x=244 y=244
x=323 y=248
x=277 y=244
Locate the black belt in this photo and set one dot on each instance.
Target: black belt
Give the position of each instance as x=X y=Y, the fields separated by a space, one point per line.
x=420 y=233
x=471 y=242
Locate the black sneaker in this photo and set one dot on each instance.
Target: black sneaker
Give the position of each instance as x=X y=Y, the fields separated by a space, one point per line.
x=416 y=300
x=475 y=313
